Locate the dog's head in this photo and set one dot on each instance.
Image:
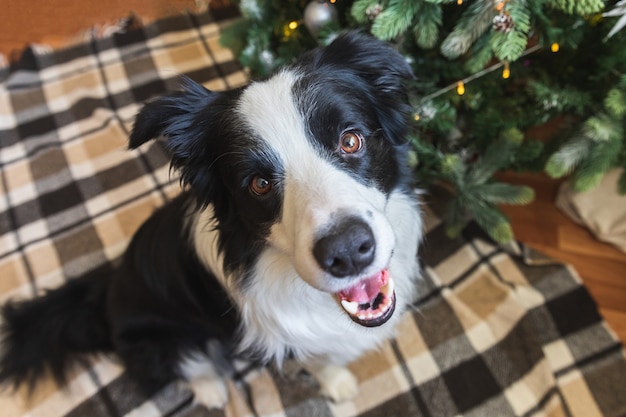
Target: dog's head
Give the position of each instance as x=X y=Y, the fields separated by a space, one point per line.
x=301 y=164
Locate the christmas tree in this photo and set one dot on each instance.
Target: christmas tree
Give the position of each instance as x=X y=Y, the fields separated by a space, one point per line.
x=487 y=71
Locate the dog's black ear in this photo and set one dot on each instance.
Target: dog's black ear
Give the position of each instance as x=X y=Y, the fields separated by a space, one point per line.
x=172 y=115
x=384 y=72
x=374 y=60
x=187 y=119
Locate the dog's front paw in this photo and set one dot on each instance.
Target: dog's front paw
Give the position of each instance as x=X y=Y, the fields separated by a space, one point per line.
x=211 y=392
x=337 y=382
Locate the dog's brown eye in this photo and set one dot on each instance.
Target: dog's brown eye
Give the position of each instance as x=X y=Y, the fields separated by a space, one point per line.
x=260 y=185
x=351 y=142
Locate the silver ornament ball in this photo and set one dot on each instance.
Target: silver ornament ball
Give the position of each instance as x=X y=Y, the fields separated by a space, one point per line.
x=317 y=14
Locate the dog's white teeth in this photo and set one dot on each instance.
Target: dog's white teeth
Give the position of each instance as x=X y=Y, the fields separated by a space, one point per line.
x=351 y=307
x=388 y=288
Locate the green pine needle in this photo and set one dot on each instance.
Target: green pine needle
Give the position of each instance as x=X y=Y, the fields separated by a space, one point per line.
x=602 y=128
x=456 y=217
x=509 y=46
x=564 y=161
x=480 y=54
x=395 y=19
x=473 y=23
x=501 y=233
x=582 y=183
x=453 y=168
x=495 y=157
x=490 y=219
x=360 y=8
x=600 y=160
x=513 y=136
x=615 y=103
x=426 y=35
x=426 y=26
x=501 y=193
x=579 y=7
x=456 y=44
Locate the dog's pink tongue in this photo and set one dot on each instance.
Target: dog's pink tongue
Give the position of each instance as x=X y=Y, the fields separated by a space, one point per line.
x=367 y=290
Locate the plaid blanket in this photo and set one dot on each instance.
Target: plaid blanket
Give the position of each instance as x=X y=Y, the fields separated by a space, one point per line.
x=491 y=333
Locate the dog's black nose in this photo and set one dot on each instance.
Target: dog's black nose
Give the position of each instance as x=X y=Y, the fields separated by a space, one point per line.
x=347 y=249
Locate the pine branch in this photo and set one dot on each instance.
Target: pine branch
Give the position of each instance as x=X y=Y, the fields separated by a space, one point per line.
x=615 y=103
x=494 y=158
x=453 y=169
x=502 y=193
x=456 y=217
x=395 y=19
x=554 y=98
x=490 y=219
x=472 y=24
x=360 y=8
x=579 y=7
x=253 y=9
x=602 y=127
x=456 y=44
x=510 y=46
x=597 y=164
x=564 y=161
x=480 y=53
x=427 y=24
x=520 y=13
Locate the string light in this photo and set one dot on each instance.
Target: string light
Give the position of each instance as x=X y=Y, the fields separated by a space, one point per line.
x=506 y=72
x=459 y=2
x=555 y=47
x=333 y=1
x=289 y=29
x=460 y=88
x=479 y=74
x=416 y=117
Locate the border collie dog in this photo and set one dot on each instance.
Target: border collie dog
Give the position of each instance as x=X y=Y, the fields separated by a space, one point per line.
x=296 y=234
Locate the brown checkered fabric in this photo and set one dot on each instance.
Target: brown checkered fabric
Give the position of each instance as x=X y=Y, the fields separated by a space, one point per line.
x=491 y=334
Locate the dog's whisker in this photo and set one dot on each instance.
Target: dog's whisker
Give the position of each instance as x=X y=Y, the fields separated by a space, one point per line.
x=223 y=155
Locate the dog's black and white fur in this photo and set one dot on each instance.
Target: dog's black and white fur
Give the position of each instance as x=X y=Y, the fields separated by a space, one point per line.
x=296 y=234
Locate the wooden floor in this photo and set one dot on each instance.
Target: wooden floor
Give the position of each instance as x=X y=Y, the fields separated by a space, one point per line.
x=544 y=227
x=540 y=224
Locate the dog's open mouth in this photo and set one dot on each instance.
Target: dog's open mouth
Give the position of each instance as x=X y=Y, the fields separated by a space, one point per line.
x=372 y=301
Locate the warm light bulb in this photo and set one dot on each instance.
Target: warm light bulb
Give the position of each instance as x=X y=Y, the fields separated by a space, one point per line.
x=333 y=1
x=416 y=117
x=460 y=88
x=459 y=2
x=506 y=72
x=293 y=25
x=555 y=47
